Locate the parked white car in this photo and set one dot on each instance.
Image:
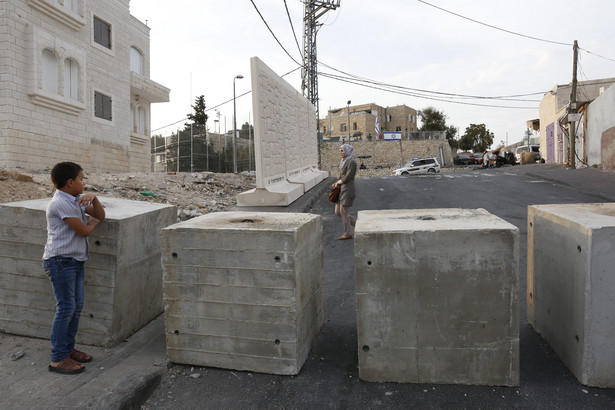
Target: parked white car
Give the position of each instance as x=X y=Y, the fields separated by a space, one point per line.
x=531 y=148
x=419 y=166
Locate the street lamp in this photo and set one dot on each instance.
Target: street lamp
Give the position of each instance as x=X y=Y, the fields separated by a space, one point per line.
x=348 y=108
x=235 y=124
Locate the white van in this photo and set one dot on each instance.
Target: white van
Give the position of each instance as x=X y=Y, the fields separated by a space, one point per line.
x=530 y=148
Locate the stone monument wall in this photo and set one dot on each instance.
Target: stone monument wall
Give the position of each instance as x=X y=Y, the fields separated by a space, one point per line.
x=285 y=143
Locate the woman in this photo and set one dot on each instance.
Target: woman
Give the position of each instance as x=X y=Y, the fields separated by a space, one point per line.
x=348 y=170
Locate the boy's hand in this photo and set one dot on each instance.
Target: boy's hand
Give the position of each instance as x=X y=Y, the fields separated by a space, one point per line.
x=87 y=199
x=93 y=207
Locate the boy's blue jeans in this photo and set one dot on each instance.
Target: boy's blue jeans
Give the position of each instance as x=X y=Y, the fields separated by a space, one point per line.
x=67 y=276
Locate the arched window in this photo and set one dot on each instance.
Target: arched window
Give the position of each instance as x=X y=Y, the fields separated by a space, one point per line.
x=71 y=79
x=50 y=71
x=140 y=121
x=136 y=61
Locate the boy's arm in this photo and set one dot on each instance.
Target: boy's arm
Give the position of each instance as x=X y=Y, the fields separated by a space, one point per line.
x=93 y=206
x=80 y=228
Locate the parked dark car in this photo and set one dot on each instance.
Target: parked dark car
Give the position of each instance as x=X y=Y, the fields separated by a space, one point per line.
x=462 y=159
x=477 y=158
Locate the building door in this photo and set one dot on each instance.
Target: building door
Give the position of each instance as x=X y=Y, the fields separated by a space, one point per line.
x=551 y=142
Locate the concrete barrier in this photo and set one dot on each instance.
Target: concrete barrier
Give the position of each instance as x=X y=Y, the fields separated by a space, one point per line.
x=243 y=290
x=437 y=297
x=123 y=278
x=571 y=286
x=285 y=142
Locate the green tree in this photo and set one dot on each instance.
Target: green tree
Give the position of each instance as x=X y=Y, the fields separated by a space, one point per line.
x=246 y=130
x=198 y=118
x=451 y=134
x=477 y=138
x=432 y=119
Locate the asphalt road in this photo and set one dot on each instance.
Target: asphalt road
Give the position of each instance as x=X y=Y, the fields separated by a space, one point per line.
x=329 y=378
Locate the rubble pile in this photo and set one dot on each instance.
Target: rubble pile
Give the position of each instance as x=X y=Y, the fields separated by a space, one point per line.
x=194 y=194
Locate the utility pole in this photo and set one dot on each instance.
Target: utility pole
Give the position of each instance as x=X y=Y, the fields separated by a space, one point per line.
x=573 y=105
x=312 y=11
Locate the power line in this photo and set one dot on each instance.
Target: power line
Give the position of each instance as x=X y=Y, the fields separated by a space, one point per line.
x=293 y=29
x=271 y=31
x=452 y=95
x=494 y=27
x=222 y=103
x=357 y=82
x=597 y=55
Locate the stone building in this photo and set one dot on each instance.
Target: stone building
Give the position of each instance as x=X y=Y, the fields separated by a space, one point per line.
x=362 y=120
x=74 y=85
x=554 y=109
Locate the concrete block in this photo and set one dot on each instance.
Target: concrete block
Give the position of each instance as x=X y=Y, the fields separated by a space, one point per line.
x=571 y=286
x=123 y=278
x=437 y=297
x=243 y=290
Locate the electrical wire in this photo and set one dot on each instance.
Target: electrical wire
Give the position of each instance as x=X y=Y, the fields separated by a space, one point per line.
x=513 y=32
x=271 y=31
x=494 y=27
x=450 y=95
x=221 y=104
x=356 y=82
x=293 y=29
x=597 y=55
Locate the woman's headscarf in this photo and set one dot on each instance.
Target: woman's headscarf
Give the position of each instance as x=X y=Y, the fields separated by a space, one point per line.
x=348 y=154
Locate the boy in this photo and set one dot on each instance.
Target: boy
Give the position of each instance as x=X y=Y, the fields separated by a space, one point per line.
x=66 y=251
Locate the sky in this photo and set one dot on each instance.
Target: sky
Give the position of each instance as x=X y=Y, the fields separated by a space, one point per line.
x=479 y=48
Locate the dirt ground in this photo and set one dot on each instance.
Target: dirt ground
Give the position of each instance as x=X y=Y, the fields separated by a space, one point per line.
x=194 y=194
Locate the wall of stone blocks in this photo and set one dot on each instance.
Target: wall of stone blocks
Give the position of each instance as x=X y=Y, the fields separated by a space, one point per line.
x=243 y=290
x=41 y=127
x=570 y=286
x=388 y=154
x=285 y=144
x=425 y=318
x=284 y=121
x=123 y=278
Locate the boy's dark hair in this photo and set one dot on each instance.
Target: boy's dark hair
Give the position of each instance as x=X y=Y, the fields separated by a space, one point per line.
x=63 y=171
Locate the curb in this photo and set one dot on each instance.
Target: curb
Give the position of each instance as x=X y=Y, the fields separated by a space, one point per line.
x=131 y=393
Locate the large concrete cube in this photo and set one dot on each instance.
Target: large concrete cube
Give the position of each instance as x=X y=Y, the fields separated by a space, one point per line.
x=571 y=286
x=437 y=297
x=123 y=278
x=243 y=290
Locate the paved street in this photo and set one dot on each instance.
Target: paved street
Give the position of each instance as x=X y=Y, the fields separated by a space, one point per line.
x=329 y=378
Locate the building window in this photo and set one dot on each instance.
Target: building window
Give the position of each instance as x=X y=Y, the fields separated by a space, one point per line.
x=389 y=118
x=50 y=71
x=102 y=106
x=136 y=61
x=140 y=121
x=342 y=127
x=354 y=126
x=102 y=33
x=132 y=119
x=71 y=79
x=72 y=5
x=410 y=118
x=398 y=128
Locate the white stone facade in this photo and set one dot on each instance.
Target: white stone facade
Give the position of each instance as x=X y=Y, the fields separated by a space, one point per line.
x=54 y=74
